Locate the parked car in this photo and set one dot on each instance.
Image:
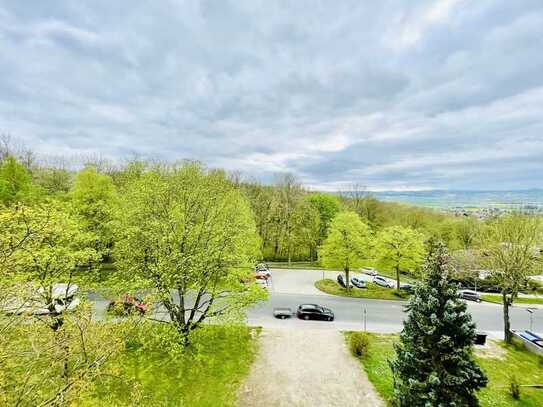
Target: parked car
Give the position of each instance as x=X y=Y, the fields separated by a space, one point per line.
x=262 y=267
x=127 y=305
x=470 y=295
x=314 y=311
x=63 y=298
x=282 y=312
x=358 y=282
x=370 y=271
x=406 y=287
x=383 y=282
x=531 y=337
x=341 y=281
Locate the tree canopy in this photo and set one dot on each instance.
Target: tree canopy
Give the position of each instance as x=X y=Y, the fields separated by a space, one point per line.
x=188 y=229
x=401 y=249
x=347 y=244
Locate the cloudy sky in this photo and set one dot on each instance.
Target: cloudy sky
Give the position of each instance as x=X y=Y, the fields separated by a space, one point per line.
x=391 y=94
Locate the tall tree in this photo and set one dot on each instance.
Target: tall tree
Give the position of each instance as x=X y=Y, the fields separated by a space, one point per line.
x=400 y=248
x=290 y=194
x=510 y=251
x=466 y=231
x=327 y=206
x=187 y=229
x=15 y=182
x=53 y=249
x=95 y=199
x=347 y=244
x=434 y=365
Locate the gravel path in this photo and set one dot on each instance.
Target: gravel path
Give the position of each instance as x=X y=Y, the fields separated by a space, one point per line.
x=305 y=367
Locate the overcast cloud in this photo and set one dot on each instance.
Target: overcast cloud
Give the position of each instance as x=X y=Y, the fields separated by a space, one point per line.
x=392 y=94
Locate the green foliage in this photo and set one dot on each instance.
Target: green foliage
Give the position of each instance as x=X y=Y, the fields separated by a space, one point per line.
x=510 y=251
x=400 y=249
x=359 y=343
x=45 y=367
x=347 y=244
x=95 y=200
x=189 y=229
x=15 y=182
x=327 y=206
x=434 y=363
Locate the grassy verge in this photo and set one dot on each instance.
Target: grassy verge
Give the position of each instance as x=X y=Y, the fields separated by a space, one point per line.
x=499 y=364
x=519 y=300
x=207 y=375
x=373 y=291
x=313 y=265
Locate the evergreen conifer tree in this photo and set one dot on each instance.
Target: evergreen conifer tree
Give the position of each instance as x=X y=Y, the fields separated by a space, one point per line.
x=434 y=365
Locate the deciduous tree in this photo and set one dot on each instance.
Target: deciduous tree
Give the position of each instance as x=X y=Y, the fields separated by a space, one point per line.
x=347 y=244
x=400 y=248
x=511 y=253
x=189 y=231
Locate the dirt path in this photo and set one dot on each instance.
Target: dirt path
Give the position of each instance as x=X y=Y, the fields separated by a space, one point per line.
x=306 y=368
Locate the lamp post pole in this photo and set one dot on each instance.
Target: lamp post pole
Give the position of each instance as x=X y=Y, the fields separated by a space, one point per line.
x=531 y=312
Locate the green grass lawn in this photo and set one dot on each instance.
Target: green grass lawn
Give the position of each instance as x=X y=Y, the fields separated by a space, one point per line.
x=373 y=291
x=208 y=375
x=499 y=365
x=519 y=300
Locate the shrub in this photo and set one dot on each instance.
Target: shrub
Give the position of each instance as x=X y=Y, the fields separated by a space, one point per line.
x=514 y=387
x=359 y=343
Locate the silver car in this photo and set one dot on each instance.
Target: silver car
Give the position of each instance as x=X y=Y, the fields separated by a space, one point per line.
x=383 y=282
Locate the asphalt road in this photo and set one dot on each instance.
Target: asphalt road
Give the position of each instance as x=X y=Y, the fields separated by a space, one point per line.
x=293 y=287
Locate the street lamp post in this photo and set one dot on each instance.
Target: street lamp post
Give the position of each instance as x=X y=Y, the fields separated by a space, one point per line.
x=531 y=312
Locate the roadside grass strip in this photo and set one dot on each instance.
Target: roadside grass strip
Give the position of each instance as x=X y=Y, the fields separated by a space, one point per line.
x=373 y=291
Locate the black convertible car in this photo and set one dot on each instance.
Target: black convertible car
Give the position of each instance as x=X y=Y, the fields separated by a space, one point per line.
x=314 y=311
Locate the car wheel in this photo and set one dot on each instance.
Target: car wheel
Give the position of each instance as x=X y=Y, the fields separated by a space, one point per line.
x=329 y=318
x=283 y=316
x=306 y=317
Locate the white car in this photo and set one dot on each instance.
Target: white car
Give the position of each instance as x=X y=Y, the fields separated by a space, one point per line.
x=62 y=295
x=370 y=271
x=383 y=282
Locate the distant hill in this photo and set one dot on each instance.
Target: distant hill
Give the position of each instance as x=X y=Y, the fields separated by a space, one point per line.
x=442 y=199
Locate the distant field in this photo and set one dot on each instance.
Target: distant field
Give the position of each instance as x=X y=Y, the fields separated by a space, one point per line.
x=466 y=199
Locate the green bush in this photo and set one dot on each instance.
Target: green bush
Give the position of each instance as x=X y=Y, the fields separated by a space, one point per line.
x=359 y=343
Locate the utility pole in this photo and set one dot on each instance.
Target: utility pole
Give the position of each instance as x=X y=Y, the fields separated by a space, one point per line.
x=531 y=312
x=365 y=318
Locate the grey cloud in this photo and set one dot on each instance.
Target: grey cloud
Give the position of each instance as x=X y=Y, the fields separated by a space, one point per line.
x=392 y=94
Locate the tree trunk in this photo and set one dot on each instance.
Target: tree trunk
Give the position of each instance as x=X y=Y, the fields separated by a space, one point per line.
x=347 y=281
x=397 y=277
x=506 y=322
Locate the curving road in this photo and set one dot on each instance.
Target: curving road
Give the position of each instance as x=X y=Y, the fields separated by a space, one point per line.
x=293 y=287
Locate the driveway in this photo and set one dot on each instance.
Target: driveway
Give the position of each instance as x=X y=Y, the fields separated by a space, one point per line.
x=305 y=367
